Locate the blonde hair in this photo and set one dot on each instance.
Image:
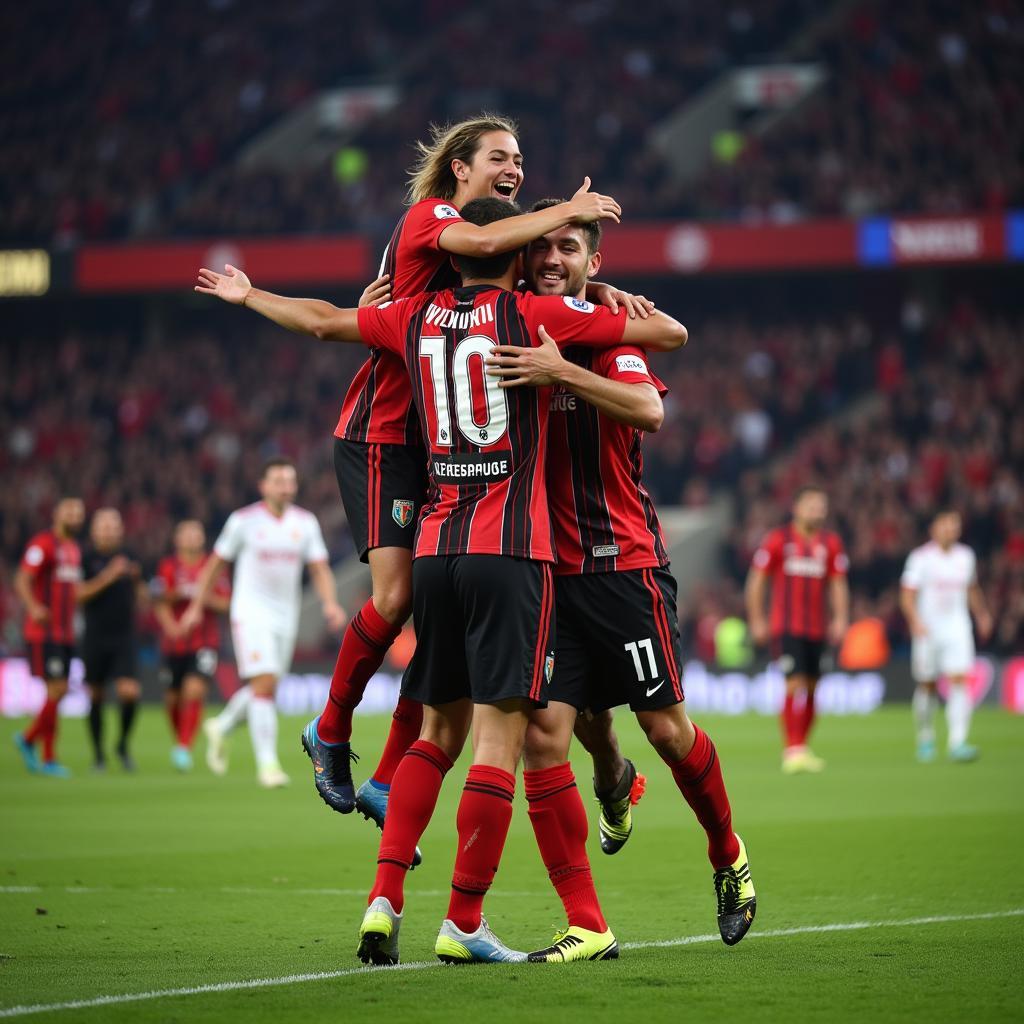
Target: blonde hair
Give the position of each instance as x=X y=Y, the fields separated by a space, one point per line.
x=431 y=176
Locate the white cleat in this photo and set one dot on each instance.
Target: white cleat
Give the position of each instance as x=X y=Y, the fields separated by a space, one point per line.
x=454 y=946
x=271 y=776
x=216 y=747
x=378 y=934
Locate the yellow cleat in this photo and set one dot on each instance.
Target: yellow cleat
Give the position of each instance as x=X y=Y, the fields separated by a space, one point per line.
x=577 y=944
x=737 y=902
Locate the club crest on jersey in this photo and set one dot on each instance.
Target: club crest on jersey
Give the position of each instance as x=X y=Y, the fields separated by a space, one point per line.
x=580 y=305
x=402 y=511
x=549 y=667
x=445 y=212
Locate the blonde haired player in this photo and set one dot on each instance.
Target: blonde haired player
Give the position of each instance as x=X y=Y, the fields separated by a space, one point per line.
x=938 y=593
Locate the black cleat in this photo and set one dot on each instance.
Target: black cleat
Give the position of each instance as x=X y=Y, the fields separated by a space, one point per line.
x=737 y=903
x=332 y=769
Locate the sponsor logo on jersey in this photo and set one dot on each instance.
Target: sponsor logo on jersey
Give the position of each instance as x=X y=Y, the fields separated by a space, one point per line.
x=796 y=565
x=580 y=305
x=402 y=511
x=438 y=316
x=68 y=573
x=605 y=550
x=562 y=401
x=445 y=212
x=630 y=364
x=471 y=468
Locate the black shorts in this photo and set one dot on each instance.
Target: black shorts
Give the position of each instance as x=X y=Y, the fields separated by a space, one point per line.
x=618 y=640
x=484 y=629
x=49 y=661
x=177 y=667
x=108 y=658
x=383 y=487
x=798 y=656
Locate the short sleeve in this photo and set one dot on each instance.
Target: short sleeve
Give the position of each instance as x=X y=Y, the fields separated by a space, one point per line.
x=628 y=364
x=384 y=326
x=426 y=221
x=768 y=556
x=911 y=578
x=838 y=563
x=316 y=549
x=231 y=538
x=572 y=321
x=38 y=554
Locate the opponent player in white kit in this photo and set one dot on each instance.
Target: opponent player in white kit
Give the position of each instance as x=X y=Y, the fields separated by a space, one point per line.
x=938 y=592
x=270 y=542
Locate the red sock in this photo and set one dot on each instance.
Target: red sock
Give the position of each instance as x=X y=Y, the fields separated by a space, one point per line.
x=188 y=721
x=405 y=731
x=44 y=728
x=791 y=721
x=485 y=812
x=174 y=714
x=363 y=647
x=807 y=716
x=699 y=778
x=559 y=822
x=411 y=803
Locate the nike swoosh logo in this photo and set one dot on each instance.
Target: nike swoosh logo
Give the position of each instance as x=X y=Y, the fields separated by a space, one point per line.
x=654 y=689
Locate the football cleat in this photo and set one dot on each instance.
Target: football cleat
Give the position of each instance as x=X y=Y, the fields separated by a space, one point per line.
x=372 y=804
x=926 y=751
x=616 y=821
x=378 y=934
x=272 y=776
x=216 y=747
x=181 y=758
x=576 y=943
x=28 y=753
x=126 y=759
x=332 y=769
x=455 y=946
x=964 y=753
x=737 y=902
x=54 y=770
x=796 y=760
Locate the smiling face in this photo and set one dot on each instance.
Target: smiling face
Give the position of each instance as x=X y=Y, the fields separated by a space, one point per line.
x=558 y=263
x=496 y=169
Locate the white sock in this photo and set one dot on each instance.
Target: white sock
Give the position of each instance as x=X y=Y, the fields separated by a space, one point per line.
x=958 y=714
x=235 y=709
x=925 y=704
x=263 y=730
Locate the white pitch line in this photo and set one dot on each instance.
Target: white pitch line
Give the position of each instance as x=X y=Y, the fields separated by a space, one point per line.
x=422 y=965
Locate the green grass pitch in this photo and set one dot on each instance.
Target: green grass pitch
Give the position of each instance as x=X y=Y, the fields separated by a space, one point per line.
x=114 y=885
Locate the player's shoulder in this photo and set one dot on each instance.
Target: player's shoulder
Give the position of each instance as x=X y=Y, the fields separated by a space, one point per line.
x=248 y=511
x=964 y=551
x=432 y=208
x=39 y=547
x=42 y=539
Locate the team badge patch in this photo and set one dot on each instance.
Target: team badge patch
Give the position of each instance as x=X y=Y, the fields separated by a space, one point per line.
x=549 y=667
x=402 y=510
x=580 y=305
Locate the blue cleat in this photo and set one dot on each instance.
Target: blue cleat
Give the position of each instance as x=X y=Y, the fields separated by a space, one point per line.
x=926 y=751
x=332 y=769
x=54 y=770
x=454 y=946
x=372 y=804
x=28 y=753
x=964 y=753
x=181 y=758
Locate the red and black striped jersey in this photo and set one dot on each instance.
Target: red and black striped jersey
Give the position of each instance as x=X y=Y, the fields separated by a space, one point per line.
x=799 y=566
x=603 y=517
x=487 y=445
x=54 y=565
x=179 y=579
x=378 y=404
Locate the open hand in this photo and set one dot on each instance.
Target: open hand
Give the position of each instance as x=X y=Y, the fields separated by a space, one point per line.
x=537 y=367
x=231 y=286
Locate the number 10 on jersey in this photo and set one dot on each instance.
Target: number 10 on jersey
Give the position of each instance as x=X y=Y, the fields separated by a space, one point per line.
x=481 y=408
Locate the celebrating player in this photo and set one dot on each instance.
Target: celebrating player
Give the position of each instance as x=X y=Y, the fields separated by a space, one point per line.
x=46 y=581
x=270 y=542
x=618 y=638
x=938 y=593
x=190 y=658
x=483 y=554
x=807 y=566
x=378 y=453
x=112 y=584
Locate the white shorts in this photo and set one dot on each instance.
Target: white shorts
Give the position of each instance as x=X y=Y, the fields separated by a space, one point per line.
x=947 y=652
x=262 y=649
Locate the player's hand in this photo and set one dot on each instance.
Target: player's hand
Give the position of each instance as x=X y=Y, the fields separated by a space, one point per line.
x=634 y=305
x=334 y=616
x=231 y=286
x=191 y=617
x=39 y=613
x=119 y=566
x=759 y=632
x=836 y=631
x=376 y=292
x=537 y=367
x=589 y=206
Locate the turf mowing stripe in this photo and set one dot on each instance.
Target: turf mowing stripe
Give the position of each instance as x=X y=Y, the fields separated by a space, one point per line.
x=421 y=965
x=232 y=890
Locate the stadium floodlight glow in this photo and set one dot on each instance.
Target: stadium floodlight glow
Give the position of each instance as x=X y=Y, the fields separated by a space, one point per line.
x=24 y=272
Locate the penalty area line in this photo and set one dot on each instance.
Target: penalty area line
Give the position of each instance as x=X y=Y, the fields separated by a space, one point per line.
x=422 y=965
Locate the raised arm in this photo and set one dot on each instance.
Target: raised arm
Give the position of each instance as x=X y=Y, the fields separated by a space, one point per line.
x=657 y=332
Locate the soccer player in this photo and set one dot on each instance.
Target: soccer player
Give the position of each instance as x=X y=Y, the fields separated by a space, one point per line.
x=112 y=583
x=807 y=566
x=938 y=593
x=618 y=638
x=190 y=658
x=483 y=556
x=270 y=542
x=378 y=451
x=46 y=580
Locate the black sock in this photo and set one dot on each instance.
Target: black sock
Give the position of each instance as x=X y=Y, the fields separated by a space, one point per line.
x=128 y=708
x=96 y=729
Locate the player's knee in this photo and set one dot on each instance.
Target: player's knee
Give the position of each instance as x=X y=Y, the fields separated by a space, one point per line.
x=393 y=600
x=128 y=689
x=57 y=688
x=667 y=733
x=263 y=686
x=193 y=688
x=542 y=749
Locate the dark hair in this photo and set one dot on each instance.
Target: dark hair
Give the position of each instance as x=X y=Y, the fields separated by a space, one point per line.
x=591 y=230
x=482 y=212
x=809 y=489
x=947 y=510
x=273 y=463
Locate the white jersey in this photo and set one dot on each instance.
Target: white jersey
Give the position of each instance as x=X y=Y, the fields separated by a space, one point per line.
x=269 y=553
x=941 y=580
